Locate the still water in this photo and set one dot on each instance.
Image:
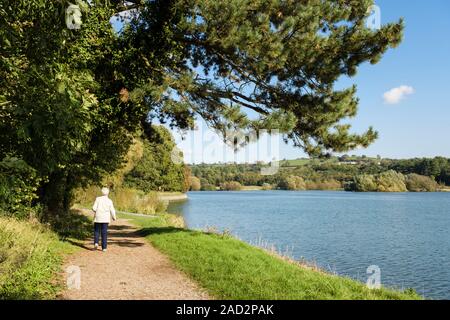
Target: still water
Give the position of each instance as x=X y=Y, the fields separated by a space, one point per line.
x=407 y=235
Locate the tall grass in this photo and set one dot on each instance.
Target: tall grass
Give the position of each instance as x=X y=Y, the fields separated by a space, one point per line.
x=125 y=199
x=30 y=256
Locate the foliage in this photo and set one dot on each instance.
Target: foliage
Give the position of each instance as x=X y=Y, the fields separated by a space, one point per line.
x=281 y=62
x=438 y=167
x=208 y=187
x=330 y=184
x=363 y=183
x=18 y=185
x=321 y=174
x=132 y=158
x=292 y=183
x=388 y=181
x=72 y=100
x=231 y=186
x=60 y=107
x=156 y=170
x=231 y=269
x=30 y=255
x=195 y=184
x=418 y=183
x=391 y=181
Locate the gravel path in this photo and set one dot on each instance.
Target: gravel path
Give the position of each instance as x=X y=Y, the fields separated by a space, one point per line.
x=130 y=269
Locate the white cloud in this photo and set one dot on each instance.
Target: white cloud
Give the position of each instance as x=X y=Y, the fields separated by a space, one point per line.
x=395 y=95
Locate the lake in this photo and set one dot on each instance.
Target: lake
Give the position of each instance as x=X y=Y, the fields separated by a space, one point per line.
x=407 y=235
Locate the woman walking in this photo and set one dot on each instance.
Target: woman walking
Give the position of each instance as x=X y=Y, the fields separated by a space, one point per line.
x=104 y=210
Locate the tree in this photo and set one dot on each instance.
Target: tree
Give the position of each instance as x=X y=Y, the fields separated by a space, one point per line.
x=72 y=100
x=156 y=170
x=195 y=184
x=59 y=110
x=279 y=59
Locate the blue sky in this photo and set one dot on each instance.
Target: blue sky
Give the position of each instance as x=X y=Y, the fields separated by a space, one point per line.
x=419 y=124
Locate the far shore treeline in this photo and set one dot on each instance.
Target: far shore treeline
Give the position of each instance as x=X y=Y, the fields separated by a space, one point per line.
x=351 y=173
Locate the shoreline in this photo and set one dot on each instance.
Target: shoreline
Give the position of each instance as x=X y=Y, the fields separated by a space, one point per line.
x=172 y=197
x=234 y=261
x=257 y=188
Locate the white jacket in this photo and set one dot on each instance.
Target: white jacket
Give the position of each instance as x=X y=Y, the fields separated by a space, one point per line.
x=104 y=210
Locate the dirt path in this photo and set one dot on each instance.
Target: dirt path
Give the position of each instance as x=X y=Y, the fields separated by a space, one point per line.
x=130 y=269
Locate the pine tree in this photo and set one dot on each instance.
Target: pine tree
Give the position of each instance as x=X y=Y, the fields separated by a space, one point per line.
x=252 y=64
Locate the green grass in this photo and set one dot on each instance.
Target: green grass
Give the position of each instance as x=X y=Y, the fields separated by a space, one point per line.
x=30 y=256
x=295 y=162
x=32 y=253
x=231 y=269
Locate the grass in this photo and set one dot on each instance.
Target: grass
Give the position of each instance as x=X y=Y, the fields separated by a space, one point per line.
x=125 y=199
x=30 y=255
x=231 y=269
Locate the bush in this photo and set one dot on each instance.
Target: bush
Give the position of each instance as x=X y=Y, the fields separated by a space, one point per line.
x=231 y=186
x=419 y=183
x=389 y=181
x=362 y=183
x=208 y=187
x=194 y=183
x=292 y=183
x=18 y=185
x=331 y=184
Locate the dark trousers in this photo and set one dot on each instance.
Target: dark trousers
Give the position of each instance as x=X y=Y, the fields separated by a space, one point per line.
x=103 y=228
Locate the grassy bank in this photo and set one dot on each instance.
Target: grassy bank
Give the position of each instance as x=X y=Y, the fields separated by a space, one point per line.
x=30 y=257
x=231 y=269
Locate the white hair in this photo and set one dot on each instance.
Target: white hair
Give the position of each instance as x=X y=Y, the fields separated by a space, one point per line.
x=105 y=191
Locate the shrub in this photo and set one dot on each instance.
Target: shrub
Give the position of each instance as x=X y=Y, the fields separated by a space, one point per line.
x=331 y=184
x=208 y=187
x=292 y=183
x=194 y=183
x=231 y=186
x=389 y=181
x=363 y=183
x=419 y=183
